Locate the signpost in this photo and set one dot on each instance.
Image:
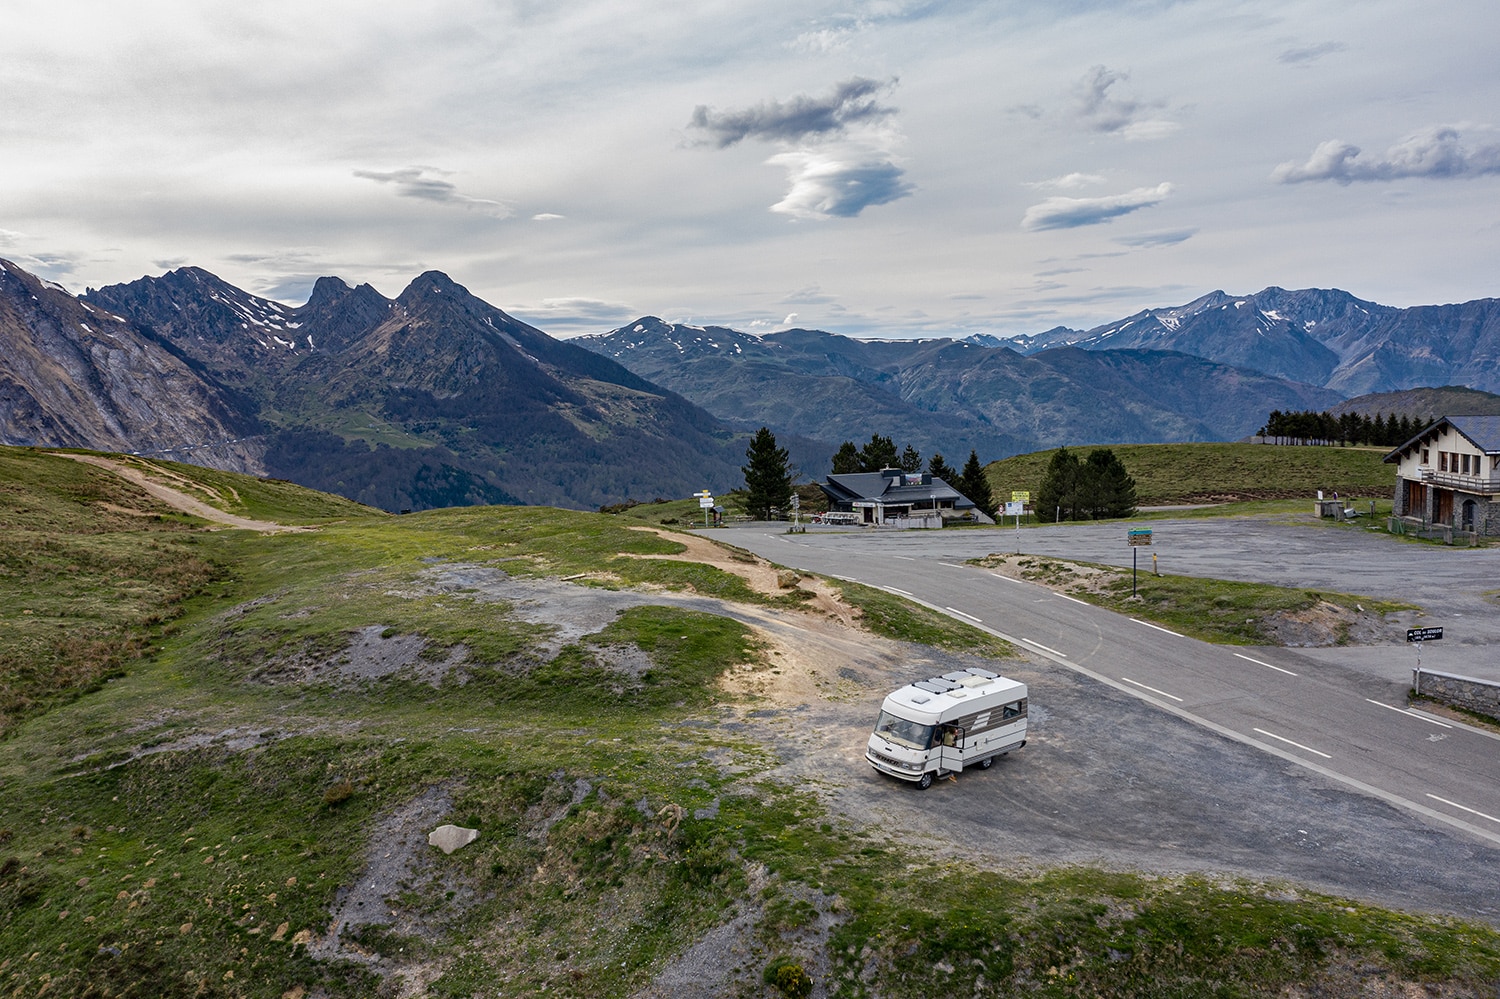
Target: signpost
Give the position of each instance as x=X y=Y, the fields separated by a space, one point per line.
x=705 y=502
x=1017 y=505
x=1417 y=636
x=1136 y=537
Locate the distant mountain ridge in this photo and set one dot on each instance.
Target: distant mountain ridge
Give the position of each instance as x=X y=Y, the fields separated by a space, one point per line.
x=1322 y=337
x=951 y=396
x=434 y=398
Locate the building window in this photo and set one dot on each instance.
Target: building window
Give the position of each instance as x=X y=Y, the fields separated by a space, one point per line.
x=1442 y=461
x=1426 y=460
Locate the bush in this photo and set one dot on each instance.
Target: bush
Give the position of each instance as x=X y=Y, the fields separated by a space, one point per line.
x=788 y=977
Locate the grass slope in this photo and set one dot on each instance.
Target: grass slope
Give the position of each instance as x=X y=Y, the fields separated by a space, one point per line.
x=193 y=827
x=1212 y=473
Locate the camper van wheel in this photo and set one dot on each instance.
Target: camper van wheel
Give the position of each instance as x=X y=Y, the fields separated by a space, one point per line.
x=925 y=781
x=986 y=763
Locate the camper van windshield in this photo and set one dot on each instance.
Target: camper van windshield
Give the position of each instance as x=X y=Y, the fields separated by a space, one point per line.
x=903 y=730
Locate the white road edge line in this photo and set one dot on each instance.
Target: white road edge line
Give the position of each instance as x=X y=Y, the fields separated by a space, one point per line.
x=1266 y=665
x=904 y=558
x=1006 y=578
x=1158 y=627
x=1074 y=599
x=1152 y=689
x=960 y=613
x=1403 y=711
x=902 y=592
x=1464 y=807
x=1289 y=742
x=1391 y=797
x=952 y=566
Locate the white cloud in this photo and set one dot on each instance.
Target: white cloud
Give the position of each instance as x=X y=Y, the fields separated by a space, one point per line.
x=1070 y=213
x=1068 y=181
x=547 y=217
x=1100 y=106
x=418 y=182
x=1436 y=152
x=826 y=184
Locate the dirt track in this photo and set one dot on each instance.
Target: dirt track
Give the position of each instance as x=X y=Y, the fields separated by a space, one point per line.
x=179 y=500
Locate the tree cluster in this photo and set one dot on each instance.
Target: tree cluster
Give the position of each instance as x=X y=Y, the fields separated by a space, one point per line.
x=1308 y=427
x=880 y=453
x=1093 y=489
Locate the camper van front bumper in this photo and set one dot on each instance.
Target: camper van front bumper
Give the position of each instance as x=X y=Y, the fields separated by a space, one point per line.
x=896 y=768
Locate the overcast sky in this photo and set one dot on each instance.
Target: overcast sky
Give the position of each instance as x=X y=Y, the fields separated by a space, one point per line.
x=881 y=168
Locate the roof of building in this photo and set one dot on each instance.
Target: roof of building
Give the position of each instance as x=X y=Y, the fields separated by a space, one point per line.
x=1481 y=431
x=892 y=490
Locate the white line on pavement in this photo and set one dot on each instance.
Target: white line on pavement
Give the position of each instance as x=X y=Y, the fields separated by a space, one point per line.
x=1006 y=578
x=1157 y=627
x=1045 y=648
x=1152 y=689
x=894 y=590
x=1066 y=597
x=960 y=613
x=904 y=558
x=1266 y=665
x=1464 y=807
x=1403 y=711
x=1289 y=742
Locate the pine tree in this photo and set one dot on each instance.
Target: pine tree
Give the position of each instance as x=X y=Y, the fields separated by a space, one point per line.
x=1109 y=486
x=878 y=454
x=846 y=459
x=768 y=478
x=976 y=485
x=911 y=459
x=939 y=469
x=1057 y=496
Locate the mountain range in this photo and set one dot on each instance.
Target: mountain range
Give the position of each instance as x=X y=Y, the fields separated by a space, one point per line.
x=1322 y=337
x=436 y=398
x=433 y=398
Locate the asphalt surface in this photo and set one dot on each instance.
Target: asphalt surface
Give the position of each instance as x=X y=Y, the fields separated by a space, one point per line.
x=1160 y=750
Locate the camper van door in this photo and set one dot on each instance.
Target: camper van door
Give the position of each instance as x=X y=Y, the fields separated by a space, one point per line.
x=951 y=748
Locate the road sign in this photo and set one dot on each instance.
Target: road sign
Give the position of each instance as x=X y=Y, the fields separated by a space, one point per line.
x=1139 y=536
x=705 y=501
x=1020 y=496
x=1423 y=634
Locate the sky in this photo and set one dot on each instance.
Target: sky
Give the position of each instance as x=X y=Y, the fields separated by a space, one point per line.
x=878 y=168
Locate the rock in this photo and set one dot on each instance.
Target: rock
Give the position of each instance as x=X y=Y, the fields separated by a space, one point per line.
x=450 y=837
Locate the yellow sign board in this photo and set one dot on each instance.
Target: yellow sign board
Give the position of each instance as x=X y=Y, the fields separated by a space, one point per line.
x=1020 y=496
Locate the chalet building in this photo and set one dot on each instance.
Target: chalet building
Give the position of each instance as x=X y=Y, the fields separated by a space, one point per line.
x=894 y=497
x=1449 y=475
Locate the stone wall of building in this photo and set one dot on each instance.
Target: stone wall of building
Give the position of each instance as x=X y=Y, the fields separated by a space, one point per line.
x=1479 y=696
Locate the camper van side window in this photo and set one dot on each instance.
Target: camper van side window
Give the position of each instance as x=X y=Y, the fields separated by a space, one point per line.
x=1014 y=709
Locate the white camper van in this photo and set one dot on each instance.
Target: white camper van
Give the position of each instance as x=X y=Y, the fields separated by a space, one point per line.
x=935 y=727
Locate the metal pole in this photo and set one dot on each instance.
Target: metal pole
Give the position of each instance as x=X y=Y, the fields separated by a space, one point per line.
x=1134 y=557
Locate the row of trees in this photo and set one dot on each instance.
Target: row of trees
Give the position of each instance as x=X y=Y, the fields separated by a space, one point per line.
x=881 y=453
x=1308 y=427
x=1092 y=489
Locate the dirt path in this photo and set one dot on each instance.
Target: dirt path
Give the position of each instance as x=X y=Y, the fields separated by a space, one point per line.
x=179 y=500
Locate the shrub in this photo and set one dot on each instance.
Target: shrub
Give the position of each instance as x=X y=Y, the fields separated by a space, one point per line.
x=788 y=977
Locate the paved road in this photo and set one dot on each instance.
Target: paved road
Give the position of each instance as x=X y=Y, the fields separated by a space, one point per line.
x=1347 y=725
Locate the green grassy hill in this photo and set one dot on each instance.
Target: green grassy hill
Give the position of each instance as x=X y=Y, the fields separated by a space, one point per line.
x=261 y=729
x=1216 y=473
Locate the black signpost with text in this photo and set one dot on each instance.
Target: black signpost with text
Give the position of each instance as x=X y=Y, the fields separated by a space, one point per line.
x=1137 y=536
x=1417 y=636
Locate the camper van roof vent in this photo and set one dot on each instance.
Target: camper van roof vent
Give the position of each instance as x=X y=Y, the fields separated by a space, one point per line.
x=976 y=681
x=920 y=699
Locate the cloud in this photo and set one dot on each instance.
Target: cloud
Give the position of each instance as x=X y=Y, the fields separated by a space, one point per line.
x=414 y=182
x=803 y=117
x=810 y=295
x=9 y=237
x=1436 y=152
x=825 y=184
x=1068 y=181
x=1070 y=213
x=1310 y=53
x=169 y=263
x=547 y=217
x=1105 y=111
x=1167 y=237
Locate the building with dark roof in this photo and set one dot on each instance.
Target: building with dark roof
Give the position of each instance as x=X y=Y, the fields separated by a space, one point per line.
x=900 y=498
x=1449 y=475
